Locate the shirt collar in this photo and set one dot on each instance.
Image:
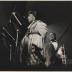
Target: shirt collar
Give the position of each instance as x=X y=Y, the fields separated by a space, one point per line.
x=31 y=24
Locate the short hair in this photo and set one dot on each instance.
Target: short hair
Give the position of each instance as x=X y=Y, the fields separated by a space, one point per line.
x=53 y=34
x=32 y=12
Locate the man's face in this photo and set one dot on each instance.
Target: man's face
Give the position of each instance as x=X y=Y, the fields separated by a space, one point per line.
x=51 y=36
x=30 y=18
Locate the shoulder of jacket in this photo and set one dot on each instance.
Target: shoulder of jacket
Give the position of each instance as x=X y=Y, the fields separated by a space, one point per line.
x=39 y=22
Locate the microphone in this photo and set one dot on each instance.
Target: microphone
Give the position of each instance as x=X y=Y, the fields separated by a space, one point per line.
x=14 y=14
x=3 y=34
x=8 y=33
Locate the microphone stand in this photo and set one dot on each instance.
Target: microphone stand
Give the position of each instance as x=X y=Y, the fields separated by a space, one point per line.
x=10 y=52
x=10 y=45
x=17 y=36
x=15 y=40
x=16 y=49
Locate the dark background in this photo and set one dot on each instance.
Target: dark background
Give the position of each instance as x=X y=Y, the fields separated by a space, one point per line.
x=57 y=15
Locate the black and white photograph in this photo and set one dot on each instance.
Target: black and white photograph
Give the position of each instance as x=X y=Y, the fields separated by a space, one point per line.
x=36 y=35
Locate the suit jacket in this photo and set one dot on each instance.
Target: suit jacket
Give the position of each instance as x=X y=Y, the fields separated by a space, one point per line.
x=36 y=34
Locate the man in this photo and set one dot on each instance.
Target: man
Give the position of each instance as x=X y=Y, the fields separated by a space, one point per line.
x=53 y=40
x=54 y=49
x=35 y=40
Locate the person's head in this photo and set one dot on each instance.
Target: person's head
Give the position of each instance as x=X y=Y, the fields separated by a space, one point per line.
x=31 y=16
x=52 y=36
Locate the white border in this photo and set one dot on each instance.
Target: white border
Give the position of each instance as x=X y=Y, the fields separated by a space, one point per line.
x=35 y=71
x=35 y=0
